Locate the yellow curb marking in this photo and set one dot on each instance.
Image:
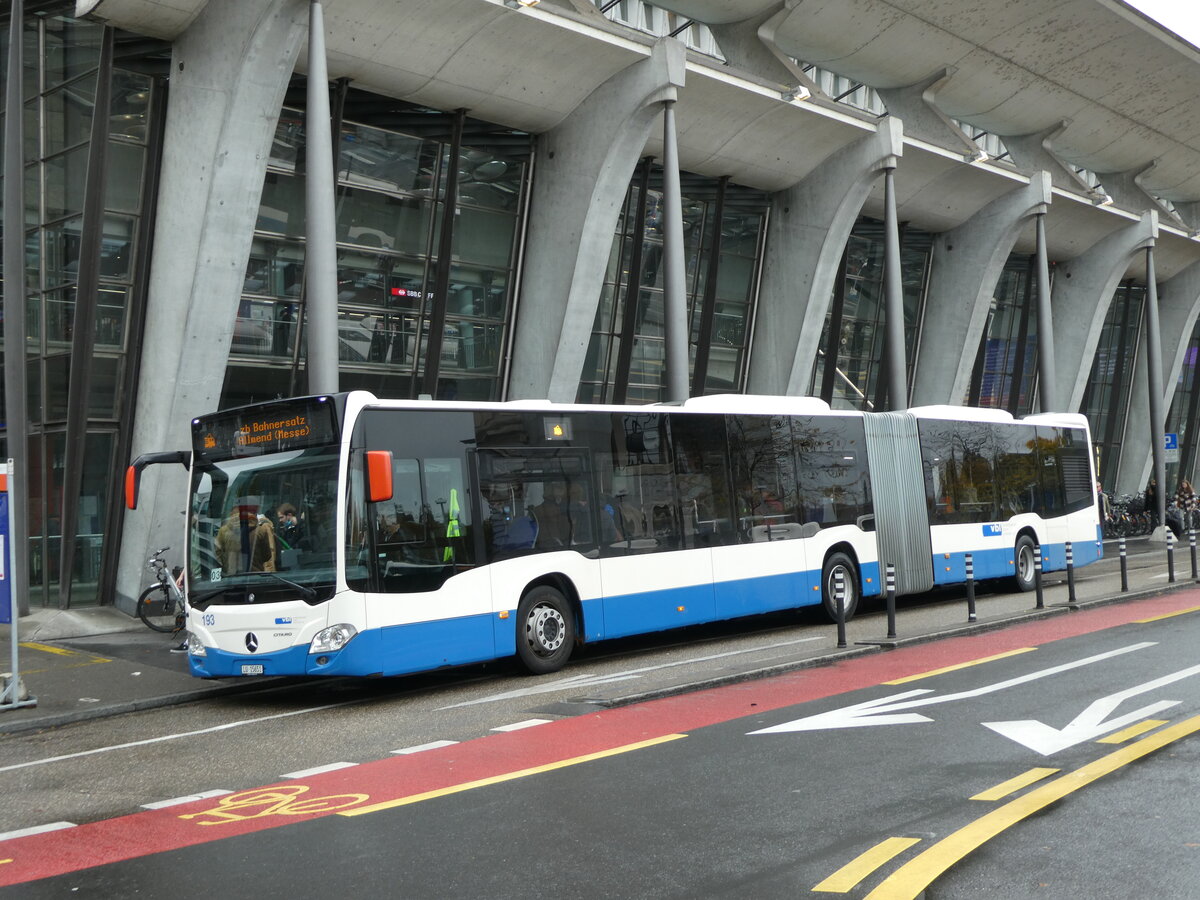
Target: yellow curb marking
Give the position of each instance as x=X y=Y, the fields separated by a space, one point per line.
x=509 y=776
x=1132 y=731
x=1170 y=615
x=955 y=668
x=1002 y=790
x=844 y=879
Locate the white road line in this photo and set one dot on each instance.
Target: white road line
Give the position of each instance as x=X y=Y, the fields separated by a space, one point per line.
x=432 y=745
x=175 y=737
x=319 y=770
x=517 y=726
x=37 y=829
x=191 y=798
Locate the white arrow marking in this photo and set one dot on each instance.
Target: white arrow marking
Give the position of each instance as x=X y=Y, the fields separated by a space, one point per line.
x=1092 y=722
x=863 y=714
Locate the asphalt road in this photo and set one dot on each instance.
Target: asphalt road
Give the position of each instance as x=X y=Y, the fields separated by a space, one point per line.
x=766 y=787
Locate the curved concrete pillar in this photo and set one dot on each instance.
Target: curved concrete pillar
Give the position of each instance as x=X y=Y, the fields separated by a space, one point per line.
x=1178 y=308
x=229 y=73
x=967 y=263
x=582 y=175
x=810 y=224
x=1083 y=291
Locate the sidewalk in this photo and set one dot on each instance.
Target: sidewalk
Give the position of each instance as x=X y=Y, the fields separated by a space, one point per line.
x=91 y=663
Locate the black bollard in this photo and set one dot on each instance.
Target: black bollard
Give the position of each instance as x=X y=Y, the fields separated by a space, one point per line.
x=970 y=589
x=1170 y=555
x=1071 y=601
x=839 y=593
x=1192 y=547
x=1037 y=578
x=1124 y=567
x=891 y=600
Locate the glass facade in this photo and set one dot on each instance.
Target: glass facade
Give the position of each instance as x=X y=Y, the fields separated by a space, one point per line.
x=391 y=203
x=62 y=72
x=1182 y=417
x=848 y=372
x=724 y=227
x=1106 y=399
x=1005 y=373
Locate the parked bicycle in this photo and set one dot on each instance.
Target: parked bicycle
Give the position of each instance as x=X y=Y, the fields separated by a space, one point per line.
x=161 y=605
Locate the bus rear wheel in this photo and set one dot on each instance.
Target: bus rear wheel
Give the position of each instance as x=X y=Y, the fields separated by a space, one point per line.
x=1023 y=580
x=545 y=630
x=839 y=562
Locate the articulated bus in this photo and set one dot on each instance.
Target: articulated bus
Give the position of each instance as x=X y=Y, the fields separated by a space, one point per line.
x=348 y=535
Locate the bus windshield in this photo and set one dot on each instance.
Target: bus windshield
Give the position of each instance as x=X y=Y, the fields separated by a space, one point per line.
x=262 y=520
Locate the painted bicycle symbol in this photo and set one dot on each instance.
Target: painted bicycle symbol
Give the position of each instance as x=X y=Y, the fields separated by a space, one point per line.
x=274 y=801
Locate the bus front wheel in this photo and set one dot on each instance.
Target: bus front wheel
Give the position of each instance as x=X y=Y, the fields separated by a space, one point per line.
x=839 y=562
x=545 y=630
x=1024 y=577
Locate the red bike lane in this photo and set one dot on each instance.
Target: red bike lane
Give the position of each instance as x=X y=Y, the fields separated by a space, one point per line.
x=491 y=759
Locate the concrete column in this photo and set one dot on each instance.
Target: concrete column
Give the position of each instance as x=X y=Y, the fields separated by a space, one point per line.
x=967 y=264
x=1178 y=309
x=914 y=104
x=229 y=73
x=1083 y=291
x=893 y=299
x=675 y=325
x=1047 y=373
x=583 y=169
x=810 y=224
x=1154 y=367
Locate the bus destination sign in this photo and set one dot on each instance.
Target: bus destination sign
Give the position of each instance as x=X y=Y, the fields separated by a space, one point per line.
x=271 y=429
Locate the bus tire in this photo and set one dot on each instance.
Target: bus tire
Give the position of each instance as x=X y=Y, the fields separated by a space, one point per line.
x=545 y=630
x=843 y=563
x=1023 y=578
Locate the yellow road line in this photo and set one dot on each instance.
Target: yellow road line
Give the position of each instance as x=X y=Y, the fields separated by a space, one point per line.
x=848 y=876
x=1002 y=790
x=62 y=651
x=1132 y=731
x=955 y=668
x=508 y=776
x=907 y=882
x=1170 y=615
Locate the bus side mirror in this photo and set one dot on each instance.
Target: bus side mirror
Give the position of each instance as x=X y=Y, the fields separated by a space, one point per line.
x=133 y=480
x=379 y=475
x=133 y=475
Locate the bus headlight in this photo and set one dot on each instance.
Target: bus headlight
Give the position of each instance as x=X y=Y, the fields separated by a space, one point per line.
x=332 y=639
x=195 y=646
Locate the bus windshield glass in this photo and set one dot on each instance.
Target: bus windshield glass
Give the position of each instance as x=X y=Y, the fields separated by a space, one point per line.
x=263 y=510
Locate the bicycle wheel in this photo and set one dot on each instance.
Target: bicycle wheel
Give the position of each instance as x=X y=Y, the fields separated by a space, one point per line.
x=157 y=609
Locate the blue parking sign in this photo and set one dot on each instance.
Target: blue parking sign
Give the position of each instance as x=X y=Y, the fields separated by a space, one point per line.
x=1171 y=441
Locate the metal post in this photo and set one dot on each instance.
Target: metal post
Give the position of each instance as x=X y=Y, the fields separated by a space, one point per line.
x=320 y=252
x=1047 y=377
x=1154 y=372
x=1037 y=578
x=839 y=596
x=675 y=331
x=1170 y=555
x=1071 y=601
x=15 y=391
x=14 y=695
x=1192 y=547
x=893 y=297
x=970 y=589
x=1124 y=566
x=891 y=599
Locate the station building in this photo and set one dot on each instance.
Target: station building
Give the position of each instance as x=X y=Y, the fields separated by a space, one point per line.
x=500 y=223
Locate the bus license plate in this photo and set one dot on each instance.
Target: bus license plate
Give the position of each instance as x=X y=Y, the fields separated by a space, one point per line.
x=252 y=670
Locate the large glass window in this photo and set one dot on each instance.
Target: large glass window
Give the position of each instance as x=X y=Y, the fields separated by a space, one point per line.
x=1106 y=398
x=1005 y=367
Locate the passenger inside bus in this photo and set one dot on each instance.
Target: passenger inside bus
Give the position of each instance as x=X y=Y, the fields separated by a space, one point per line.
x=245 y=542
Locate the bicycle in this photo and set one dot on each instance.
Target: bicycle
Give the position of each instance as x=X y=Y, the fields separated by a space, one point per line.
x=161 y=605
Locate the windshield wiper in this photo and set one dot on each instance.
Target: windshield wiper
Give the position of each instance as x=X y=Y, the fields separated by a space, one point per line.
x=306 y=592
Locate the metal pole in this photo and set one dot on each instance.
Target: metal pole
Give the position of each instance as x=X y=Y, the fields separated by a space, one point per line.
x=1037 y=578
x=893 y=298
x=1170 y=555
x=839 y=595
x=675 y=332
x=1154 y=378
x=1124 y=567
x=14 y=695
x=891 y=600
x=1047 y=377
x=320 y=252
x=1071 y=601
x=1192 y=547
x=14 y=313
x=970 y=589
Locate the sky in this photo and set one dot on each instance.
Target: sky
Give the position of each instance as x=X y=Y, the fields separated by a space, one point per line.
x=1180 y=16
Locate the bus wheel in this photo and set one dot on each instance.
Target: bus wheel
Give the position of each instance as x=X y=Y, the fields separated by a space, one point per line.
x=545 y=630
x=839 y=562
x=1023 y=580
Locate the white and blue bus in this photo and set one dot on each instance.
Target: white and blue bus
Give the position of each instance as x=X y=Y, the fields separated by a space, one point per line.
x=348 y=535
